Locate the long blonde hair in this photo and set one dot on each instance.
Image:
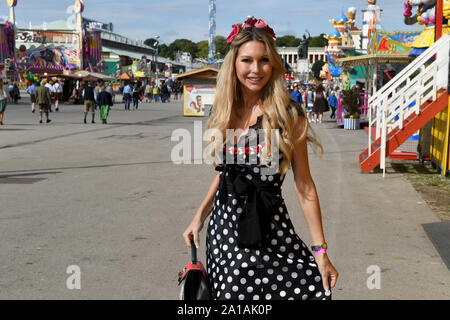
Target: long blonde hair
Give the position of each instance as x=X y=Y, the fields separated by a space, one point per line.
x=278 y=110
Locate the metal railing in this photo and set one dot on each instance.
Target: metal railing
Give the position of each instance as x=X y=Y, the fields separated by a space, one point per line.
x=114 y=37
x=407 y=91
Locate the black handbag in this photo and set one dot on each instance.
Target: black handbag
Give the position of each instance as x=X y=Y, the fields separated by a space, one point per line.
x=193 y=281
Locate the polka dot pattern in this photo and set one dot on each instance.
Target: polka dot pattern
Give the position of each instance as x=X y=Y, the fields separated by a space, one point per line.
x=282 y=270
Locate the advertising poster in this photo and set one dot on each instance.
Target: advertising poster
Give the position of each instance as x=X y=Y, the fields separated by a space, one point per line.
x=197 y=98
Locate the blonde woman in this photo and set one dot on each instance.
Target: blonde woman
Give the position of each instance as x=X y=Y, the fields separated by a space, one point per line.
x=3 y=101
x=252 y=249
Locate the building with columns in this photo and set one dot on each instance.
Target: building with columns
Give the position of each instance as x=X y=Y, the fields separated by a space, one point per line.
x=290 y=56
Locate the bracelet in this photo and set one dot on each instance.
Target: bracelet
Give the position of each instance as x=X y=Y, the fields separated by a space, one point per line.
x=320 y=251
x=322 y=246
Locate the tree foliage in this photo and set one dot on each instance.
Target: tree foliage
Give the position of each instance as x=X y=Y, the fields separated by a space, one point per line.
x=351 y=98
x=183 y=45
x=288 y=41
x=151 y=42
x=319 y=41
x=201 y=48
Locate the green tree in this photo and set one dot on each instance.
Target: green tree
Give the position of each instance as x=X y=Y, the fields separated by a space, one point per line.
x=221 y=46
x=181 y=45
x=288 y=41
x=150 y=42
x=202 y=49
x=319 y=41
x=163 y=50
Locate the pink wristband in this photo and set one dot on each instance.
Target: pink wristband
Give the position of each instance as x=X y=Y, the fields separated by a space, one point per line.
x=320 y=251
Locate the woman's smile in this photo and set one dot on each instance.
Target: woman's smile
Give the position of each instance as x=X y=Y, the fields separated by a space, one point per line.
x=255 y=80
x=253 y=67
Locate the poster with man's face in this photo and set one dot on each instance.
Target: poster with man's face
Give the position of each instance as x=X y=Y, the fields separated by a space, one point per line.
x=196 y=97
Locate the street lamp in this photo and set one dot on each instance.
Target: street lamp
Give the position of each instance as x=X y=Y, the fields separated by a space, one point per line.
x=155 y=46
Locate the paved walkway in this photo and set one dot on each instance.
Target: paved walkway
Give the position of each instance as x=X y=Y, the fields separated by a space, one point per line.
x=108 y=199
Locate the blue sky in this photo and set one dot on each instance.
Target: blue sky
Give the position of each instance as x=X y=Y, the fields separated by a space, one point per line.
x=173 y=19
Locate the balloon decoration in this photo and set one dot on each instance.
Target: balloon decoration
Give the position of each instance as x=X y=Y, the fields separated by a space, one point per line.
x=30 y=76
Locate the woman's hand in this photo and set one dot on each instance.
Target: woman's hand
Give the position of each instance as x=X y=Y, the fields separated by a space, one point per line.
x=192 y=232
x=327 y=271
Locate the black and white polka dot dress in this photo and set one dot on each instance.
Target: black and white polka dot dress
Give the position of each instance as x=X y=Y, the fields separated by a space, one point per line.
x=282 y=268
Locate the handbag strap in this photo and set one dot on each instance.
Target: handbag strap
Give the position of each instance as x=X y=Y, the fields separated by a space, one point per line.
x=193 y=252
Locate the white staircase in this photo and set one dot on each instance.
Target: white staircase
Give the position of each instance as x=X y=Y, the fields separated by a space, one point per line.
x=404 y=95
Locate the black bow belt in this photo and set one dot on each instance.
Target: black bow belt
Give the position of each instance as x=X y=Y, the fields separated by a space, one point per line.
x=261 y=203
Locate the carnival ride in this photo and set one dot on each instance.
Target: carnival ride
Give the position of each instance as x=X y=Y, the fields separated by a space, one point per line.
x=24 y=53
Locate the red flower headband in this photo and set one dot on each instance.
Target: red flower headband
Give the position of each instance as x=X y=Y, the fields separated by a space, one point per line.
x=250 y=23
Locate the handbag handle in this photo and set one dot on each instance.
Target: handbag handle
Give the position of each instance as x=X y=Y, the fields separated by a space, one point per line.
x=193 y=252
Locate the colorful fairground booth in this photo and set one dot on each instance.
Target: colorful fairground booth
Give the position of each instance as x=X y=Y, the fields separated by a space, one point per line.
x=56 y=52
x=414 y=103
x=199 y=90
x=434 y=139
x=388 y=54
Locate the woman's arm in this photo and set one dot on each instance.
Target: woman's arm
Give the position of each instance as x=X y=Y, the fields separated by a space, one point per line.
x=203 y=212
x=207 y=203
x=307 y=193
x=309 y=202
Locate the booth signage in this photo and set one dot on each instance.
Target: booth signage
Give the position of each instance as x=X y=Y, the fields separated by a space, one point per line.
x=29 y=36
x=197 y=98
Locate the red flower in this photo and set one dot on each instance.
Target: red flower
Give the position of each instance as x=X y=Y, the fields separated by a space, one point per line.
x=250 y=23
x=234 y=33
x=260 y=23
x=270 y=31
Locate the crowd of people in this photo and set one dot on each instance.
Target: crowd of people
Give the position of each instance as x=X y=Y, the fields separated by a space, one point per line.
x=94 y=95
x=316 y=100
x=135 y=92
